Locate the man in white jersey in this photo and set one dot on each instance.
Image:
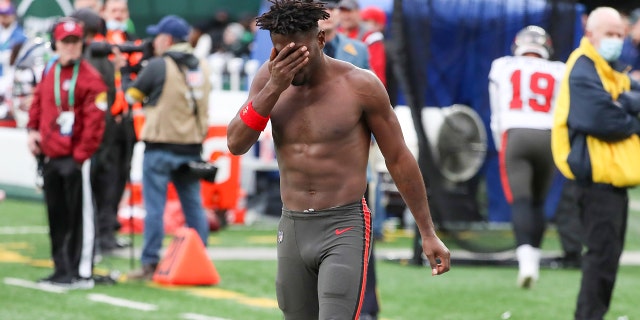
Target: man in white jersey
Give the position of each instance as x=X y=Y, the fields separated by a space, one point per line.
x=522 y=89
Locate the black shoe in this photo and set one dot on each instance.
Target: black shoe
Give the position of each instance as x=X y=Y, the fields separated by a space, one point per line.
x=55 y=277
x=107 y=280
x=568 y=261
x=123 y=242
x=112 y=243
x=63 y=281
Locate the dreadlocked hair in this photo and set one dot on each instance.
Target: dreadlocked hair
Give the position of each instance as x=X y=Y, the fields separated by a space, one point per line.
x=287 y=17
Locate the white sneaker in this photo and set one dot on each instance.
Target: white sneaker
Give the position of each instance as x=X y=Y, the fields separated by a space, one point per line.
x=82 y=283
x=528 y=265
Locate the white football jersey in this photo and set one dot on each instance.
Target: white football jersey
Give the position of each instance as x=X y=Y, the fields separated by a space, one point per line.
x=522 y=92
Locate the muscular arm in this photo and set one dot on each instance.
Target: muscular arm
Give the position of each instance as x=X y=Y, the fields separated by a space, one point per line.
x=403 y=168
x=272 y=79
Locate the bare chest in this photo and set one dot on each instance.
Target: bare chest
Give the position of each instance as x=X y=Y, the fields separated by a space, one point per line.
x=316 y=119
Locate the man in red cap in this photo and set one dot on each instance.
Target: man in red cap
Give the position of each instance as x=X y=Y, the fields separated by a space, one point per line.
x=366 y=25
x=66 y=123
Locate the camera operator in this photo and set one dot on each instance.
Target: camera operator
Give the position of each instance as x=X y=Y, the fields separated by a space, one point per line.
x=109 y=162
x=175 y=87
x=113 y=168
x=66 y=123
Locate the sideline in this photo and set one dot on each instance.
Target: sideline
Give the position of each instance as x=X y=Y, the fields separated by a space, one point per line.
x=24 y=230
x=120 y=302
x=195 y=316
x=33 y=285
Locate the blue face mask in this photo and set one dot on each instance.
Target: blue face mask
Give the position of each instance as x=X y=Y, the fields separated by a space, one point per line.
x=610 y=48
x=116 y=25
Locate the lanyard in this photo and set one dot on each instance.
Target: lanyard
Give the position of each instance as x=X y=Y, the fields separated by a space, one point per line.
x=72 y=85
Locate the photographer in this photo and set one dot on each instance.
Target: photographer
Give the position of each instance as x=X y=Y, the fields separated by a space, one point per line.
x=175 y=87
x=66 y=123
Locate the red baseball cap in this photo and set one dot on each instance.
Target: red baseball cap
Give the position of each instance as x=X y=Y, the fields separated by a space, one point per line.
x=67 y=28
x=375 y=14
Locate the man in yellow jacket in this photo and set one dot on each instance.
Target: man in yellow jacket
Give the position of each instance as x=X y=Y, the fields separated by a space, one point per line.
x=595 y=142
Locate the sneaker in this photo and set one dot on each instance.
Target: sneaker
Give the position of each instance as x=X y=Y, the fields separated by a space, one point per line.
x=50 y=278
x=528 y=265
x=144 y=273
x=82 y=283
x=568 y=261
x=57 y=280
x=104 y=280
x=109 y=244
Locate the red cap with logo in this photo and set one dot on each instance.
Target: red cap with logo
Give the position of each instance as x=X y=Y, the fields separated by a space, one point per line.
x=67 y=28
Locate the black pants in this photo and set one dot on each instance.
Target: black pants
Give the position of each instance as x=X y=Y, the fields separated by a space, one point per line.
x=568 y=221
x=70 y=212
x=603 y=212
x=110 y=171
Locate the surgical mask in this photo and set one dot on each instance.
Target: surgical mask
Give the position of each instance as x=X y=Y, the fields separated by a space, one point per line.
x=610 y=48
x=116 y=25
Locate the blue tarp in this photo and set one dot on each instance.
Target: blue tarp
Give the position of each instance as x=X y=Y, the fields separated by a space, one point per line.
x=456 y=41
x=460 y=38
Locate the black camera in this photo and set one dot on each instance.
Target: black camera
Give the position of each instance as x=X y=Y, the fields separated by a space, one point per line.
x=199 y=170
x=103 y=49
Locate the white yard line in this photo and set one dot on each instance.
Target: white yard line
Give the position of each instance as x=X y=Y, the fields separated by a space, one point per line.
x=122 y=302
x=24 y=230
x=634 y=205
x=195 y=316
x=33 y=285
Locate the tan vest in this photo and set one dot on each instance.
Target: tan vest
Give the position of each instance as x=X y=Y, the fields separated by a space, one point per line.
x=173 y=119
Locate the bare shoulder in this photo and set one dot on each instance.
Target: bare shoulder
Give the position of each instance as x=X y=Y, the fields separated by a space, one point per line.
x=360 y=81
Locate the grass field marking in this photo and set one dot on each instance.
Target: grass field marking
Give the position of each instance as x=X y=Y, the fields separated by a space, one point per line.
x=216 y=293
x=7 y=255
x=634 y=205
x=24 y=230
x=262 y=239
x=195 y=316
x=97 y=297
x=32 y=285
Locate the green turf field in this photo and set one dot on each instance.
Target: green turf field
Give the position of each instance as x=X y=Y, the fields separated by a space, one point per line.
x=247 y=290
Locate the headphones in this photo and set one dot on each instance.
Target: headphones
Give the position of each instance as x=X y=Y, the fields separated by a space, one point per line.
x=55 y=25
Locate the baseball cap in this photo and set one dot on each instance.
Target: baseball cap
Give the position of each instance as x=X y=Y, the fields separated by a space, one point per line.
x=634 y=16
x=171 y=25
x=67 y=28
x=7 y=8
x=349 y=4
x=93 y=23
x=374 y=13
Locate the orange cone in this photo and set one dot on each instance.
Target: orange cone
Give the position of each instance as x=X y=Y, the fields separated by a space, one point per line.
x=186 y=262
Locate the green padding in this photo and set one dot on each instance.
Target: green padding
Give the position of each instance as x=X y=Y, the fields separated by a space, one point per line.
x=17 y=192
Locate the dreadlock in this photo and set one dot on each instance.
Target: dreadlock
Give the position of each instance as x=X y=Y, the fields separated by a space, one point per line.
x=287 y=17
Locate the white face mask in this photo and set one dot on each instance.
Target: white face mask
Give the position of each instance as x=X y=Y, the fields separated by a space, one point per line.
x=610 y=48
x=116 y=25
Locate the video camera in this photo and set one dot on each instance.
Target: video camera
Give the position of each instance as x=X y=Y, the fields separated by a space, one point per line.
x=103 y=49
